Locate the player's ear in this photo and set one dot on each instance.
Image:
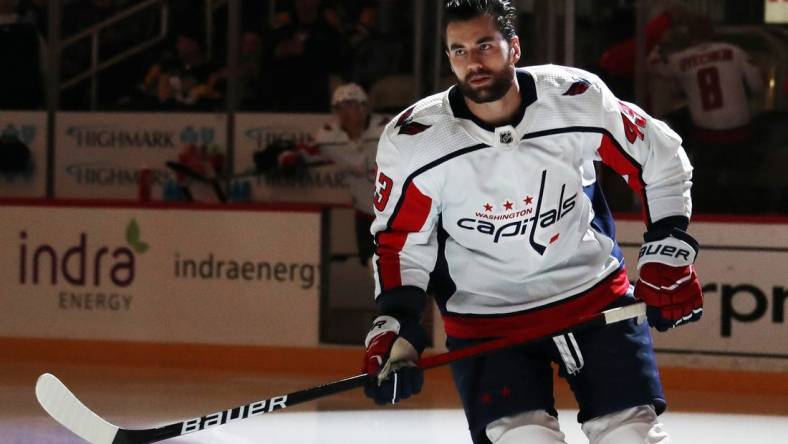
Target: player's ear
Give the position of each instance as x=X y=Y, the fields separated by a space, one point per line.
x=514 y=50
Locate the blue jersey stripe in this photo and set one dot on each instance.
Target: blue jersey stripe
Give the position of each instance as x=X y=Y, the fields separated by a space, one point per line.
x=603 y=221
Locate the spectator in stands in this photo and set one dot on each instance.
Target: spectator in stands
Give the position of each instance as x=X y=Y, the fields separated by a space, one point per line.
x=717 y=79
x=250 y=65
x=351 y=143
x=373 y=56
x=185 y=79
x=302 y=56
x=22 y=52
x=617 y=63
x=333 y=16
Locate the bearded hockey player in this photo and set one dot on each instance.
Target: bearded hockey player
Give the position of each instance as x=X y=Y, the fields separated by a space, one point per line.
x=488 y=190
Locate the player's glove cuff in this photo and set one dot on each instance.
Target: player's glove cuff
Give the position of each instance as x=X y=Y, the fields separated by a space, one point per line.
x=673 y=247
x=409 y=329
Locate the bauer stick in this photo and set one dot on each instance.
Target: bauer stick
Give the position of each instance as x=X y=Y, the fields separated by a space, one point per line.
x=69 y=411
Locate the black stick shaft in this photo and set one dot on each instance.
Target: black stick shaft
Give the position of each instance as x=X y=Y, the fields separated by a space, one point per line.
x=126 y=436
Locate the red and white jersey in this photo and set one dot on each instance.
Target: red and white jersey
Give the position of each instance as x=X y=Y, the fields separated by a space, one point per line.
x=713 y=77
x=355 y=157
x=510 y=220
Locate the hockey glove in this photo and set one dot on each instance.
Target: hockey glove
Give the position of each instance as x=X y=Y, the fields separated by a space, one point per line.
x=668 y=283
x=390 y=360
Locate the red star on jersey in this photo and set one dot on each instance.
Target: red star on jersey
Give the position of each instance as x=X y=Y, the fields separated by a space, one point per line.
x=487 y=207
x=486 y=398
x=505 y=392
x=508 y=205
x=528 y=200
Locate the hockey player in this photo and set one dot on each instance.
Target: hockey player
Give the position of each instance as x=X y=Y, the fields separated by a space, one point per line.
x=716 y=78
x=489 y=190
x=351 y=143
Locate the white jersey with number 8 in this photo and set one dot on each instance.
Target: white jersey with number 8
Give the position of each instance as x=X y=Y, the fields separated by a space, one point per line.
x=713 y=76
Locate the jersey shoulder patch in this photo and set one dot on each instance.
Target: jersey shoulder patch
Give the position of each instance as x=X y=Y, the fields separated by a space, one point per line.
x=578 y=87
x=408 y=126
x=563 y=80
x=418 y=117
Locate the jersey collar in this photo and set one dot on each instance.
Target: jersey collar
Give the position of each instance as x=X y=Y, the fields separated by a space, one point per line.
x=527 y=92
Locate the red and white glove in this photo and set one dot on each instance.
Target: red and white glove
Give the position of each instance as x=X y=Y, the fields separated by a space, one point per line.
x=668 y=283
x=390 y=360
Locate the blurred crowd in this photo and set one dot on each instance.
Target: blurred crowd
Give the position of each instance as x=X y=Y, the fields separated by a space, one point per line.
x=291 y=56
x=724 y=89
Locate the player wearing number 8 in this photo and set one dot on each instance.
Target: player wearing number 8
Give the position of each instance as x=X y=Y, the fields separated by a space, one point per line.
x=716 y=78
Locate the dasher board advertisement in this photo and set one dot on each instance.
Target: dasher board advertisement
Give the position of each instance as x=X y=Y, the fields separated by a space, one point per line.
x=160 y=275
x=254 y=132
x=743 y=270
x=100 y=155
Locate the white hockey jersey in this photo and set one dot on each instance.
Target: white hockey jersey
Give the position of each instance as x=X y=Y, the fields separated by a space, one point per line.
x=510 y=221
x=355 y=158
x=713 y=77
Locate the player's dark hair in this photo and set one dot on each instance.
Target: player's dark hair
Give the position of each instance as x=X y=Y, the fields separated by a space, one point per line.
x=502 y=12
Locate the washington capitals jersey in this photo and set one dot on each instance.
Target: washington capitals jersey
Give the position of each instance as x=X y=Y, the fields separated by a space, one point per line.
x=713 y=76
x=509 y=222
x=355 y=158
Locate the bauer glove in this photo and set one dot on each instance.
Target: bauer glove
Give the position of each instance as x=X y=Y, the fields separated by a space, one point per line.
x=390 y=359
x=668 y=283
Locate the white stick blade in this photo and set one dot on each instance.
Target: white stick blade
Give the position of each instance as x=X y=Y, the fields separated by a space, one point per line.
x=614 y=315
x=69 y=411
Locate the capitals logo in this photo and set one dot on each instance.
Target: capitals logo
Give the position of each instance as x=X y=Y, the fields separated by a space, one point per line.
x=522 y=222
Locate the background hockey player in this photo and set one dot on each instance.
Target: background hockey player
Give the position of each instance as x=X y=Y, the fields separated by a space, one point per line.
x=351 y=143
x=489 y=190
x=718 y=79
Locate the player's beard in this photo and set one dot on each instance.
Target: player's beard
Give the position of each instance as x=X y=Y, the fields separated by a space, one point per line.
x=501 y=82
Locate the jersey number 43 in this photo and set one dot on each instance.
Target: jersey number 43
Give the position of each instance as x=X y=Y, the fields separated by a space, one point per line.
x=383 y=192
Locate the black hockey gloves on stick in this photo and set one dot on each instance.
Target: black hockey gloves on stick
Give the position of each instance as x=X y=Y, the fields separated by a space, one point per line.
x=69 y=411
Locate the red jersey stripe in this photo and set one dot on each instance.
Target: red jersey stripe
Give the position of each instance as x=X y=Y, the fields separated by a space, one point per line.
x=409 y=218
x=561 y=315
x=614 y=157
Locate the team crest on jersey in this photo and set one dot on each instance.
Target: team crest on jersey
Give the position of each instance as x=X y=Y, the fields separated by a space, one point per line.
x=408 y=126
x=521 y=218
x=578 y=87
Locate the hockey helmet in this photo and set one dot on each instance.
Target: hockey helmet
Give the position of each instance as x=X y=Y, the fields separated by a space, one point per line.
x=349 y=92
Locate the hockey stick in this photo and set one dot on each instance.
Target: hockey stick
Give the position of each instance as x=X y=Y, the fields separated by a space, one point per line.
x=216 y=182
x=64 y=407
x=189 y=172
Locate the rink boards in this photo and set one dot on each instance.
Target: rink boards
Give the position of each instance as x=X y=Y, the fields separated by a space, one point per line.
x=170 y=274
x=742 y=266
x=240 y=276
